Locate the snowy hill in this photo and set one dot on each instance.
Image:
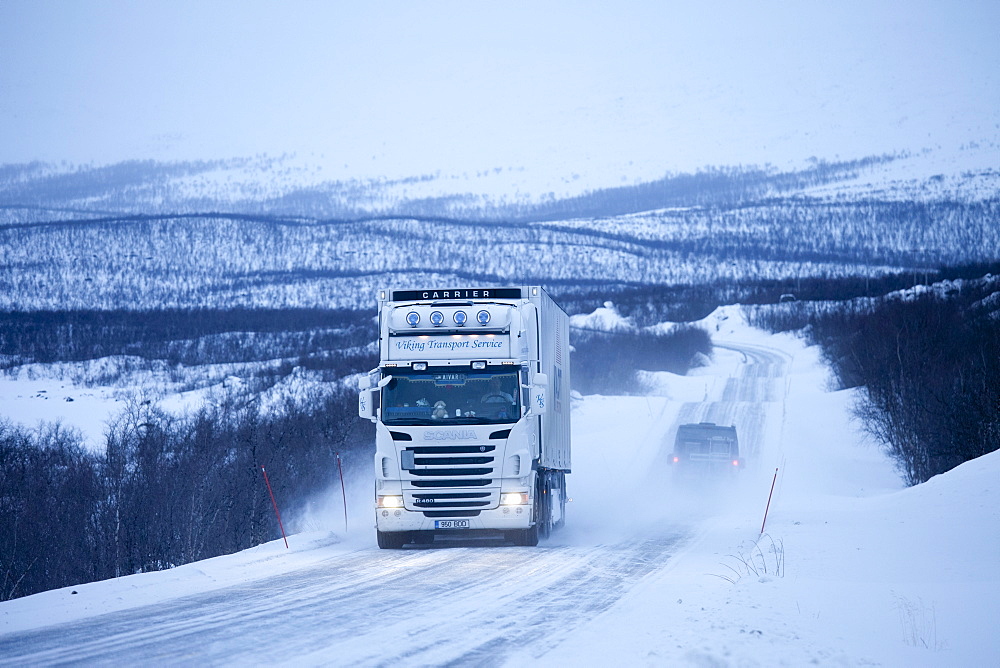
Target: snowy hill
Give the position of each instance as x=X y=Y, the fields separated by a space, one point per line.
x=659 y=145
x=852 y=569
x=88 y=259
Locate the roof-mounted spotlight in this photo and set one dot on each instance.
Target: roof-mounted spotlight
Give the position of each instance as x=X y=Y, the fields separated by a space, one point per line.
x=460 y=317
x=483 y=317
x=412 y=318
x=437 y=318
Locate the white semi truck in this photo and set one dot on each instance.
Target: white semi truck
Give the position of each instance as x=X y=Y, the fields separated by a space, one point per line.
x=471 y=405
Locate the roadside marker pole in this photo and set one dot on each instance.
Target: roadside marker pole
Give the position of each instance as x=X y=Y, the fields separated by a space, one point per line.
x=275 y=504
x=343 y=491
x=768 y=502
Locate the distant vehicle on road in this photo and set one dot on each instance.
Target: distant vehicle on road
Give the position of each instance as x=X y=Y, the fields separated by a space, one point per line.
x=706 y=448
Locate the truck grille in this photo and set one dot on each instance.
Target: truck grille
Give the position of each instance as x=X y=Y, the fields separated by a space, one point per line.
x=467 y=500
x=451 y=461
x=451 y=483
x=448 y=468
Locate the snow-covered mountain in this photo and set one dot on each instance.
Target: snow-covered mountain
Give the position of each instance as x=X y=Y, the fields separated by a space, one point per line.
x=147 y=235
x=672 y=145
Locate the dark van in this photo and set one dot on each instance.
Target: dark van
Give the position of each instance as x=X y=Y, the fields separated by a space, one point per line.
x=706 y=447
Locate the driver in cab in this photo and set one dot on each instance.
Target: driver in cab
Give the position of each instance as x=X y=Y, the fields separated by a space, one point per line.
x=496 y=397
x=496 y=400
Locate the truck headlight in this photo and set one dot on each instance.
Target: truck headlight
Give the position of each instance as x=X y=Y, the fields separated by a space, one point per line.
x=389 y=501
x=514 y=499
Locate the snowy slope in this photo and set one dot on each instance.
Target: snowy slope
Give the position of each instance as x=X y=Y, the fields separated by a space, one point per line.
x=852 y=570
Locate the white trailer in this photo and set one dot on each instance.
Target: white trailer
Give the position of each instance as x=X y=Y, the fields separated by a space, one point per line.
x=471 y=405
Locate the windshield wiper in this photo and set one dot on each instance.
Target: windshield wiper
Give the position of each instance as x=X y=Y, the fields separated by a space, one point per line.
x=444 y=422
x=411 y=421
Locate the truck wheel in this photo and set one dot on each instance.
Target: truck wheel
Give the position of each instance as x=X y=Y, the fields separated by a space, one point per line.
x=562 y=502
x=390 y=540
x=527 y=537
x=543 y=508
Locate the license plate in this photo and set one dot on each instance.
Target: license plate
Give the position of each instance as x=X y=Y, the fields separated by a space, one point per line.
x=451 y=524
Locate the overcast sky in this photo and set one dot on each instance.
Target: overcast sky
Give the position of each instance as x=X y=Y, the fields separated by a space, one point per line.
x=403 y=88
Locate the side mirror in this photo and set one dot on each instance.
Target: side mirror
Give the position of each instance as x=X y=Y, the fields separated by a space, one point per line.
x=366 y=396
x=538 y=400
x=366 y=404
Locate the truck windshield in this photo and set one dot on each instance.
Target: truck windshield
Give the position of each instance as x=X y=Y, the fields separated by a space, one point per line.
x=450 y=396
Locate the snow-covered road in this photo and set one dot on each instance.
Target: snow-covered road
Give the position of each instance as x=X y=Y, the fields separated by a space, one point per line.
x=427 y=606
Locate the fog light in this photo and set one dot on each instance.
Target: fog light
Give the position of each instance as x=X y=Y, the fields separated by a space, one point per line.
x=390 y=501
x=513 y=498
